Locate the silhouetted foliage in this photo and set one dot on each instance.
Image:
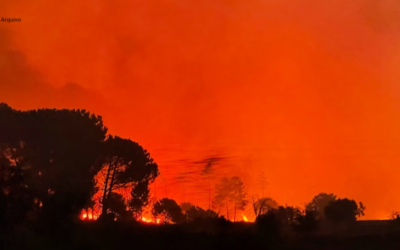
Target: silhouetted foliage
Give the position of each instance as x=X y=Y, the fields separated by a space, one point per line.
x=319 y=202
x=169 y=210
x=139 y=198
x=307 y=222
x=395 y=215
x=185 y=206
x=55 y=152
x=118 y=208
x=343 y=210
x=197 y=213
x=48 y=159
x=127 y=164
x=17 y=200
x=263 y=205
x=194 y=212
x=395 y=223
x=278 y=222
x=287 y=215
x=269 y=224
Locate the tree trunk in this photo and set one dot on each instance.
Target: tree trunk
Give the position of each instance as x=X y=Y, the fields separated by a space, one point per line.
x=112 y=182
x=104 y=207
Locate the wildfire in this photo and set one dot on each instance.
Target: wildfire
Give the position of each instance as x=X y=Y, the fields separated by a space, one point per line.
x=86 y=216
x=94 y=212
x=147 y=220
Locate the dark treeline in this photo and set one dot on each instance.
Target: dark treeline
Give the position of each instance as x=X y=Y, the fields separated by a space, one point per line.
x=48 y=162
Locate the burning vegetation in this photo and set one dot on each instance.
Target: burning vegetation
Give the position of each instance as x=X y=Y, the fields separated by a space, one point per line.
x=59 y=166
x=166 y=210
x=78 y=169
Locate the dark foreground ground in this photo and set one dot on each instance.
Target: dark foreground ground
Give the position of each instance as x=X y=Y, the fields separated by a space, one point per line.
x=115 y=236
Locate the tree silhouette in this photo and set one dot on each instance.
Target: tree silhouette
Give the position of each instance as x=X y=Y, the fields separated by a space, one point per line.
x=394 y=223
x=118 y=208
x=230 y=191
x=222 y=194
x=127 y=164
x=263 y=205
x=343 y=210
x=56 y=151
x=269 y=224
x=185 y=206
x=16 y=199
x=238 y=195
x=198 y=213
x=169 y=210
x=287 y=215
x=139 y=198
x=394 y=215
x=307 y=222
x=319 y=202
x=194 y=212
x=279 y=221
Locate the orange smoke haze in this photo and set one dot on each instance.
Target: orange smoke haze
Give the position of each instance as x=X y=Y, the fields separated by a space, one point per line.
x=306 y=91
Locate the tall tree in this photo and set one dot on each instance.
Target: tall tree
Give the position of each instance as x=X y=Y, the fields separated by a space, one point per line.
x=67 y=145
x=230 y=190
x=16 y=197
x=126 y=164
x=222 y=195
x=57 y=151
x=238 y=195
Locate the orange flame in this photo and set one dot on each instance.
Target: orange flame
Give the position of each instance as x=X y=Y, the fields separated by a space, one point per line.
x=245 y=218
x=89 y=214
x=147 y=220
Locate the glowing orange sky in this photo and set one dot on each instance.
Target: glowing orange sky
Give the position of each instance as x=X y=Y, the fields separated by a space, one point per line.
x=306 y=91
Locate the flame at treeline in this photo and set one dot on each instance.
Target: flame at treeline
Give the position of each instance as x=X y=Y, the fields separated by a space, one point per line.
x=196 y=186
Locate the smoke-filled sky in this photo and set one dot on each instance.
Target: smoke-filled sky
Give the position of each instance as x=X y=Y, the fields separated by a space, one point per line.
x=306 y=91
